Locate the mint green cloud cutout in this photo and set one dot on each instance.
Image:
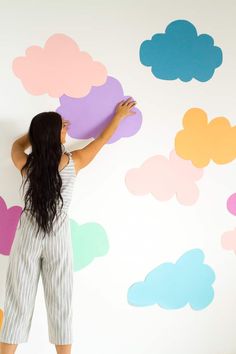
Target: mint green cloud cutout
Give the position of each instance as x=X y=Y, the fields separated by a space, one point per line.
x=88 y=242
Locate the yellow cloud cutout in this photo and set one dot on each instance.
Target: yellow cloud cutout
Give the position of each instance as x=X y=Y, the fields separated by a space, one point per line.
x=201 y=141
x=1 y=318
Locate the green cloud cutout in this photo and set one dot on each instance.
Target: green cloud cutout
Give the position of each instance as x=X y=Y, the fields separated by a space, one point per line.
x=88 y=242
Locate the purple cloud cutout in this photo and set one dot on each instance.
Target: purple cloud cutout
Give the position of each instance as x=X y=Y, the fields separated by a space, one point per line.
x=89 y=115
x=9 y=219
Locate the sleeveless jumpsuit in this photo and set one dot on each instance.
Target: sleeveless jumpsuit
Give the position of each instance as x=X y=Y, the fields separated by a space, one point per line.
x=52 y=256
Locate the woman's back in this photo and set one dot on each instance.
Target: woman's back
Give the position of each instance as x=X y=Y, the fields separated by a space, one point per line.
x=68 y=175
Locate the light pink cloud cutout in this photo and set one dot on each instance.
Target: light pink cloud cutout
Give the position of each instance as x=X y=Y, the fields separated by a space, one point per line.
x=164 y=177
x=59 y=68
x=228 y=240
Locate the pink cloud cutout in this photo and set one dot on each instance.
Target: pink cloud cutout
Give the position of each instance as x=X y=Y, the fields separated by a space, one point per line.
x=231 y=204
x=59 y=68
x=9 y=219
x=228 y=240
x=164 y=178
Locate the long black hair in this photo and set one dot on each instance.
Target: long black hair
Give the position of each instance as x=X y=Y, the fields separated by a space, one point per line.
x=44 y=189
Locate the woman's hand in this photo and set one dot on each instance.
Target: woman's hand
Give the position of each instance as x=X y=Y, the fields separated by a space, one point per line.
x=123 y=109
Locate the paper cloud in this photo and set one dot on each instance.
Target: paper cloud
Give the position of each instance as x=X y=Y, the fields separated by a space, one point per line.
x=201 y=141
x=90 y=115
x=59 y=68
x=231 y=204
x=164 y=178
x=228 y=240
x=181 y=53
x=9 y=219
x=1 y=318
x=88 y=242
x=172 y=286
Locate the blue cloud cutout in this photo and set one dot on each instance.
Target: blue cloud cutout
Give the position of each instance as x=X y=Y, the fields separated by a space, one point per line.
x=181 y=53
x=172 y=286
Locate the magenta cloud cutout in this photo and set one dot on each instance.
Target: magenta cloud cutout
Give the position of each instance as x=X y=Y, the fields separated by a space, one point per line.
x=9 y=219
x=164 y=178
x=231 y=204
x=228 y=240
x=60 y=67
x=90 y=115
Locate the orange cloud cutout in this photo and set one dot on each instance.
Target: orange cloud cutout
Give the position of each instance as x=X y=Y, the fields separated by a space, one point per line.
x=59 y=68
x=201 y=141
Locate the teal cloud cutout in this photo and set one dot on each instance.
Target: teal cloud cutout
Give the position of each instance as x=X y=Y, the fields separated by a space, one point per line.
x=181 y=53
x=172 y=286
x=88 y=242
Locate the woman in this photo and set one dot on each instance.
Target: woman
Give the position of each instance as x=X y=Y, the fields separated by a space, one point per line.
x=42 y=243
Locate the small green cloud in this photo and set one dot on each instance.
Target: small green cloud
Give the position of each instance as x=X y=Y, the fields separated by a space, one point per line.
x=88 y=241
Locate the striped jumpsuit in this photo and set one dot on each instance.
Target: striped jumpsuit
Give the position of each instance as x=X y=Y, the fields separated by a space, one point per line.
x=52 y=256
